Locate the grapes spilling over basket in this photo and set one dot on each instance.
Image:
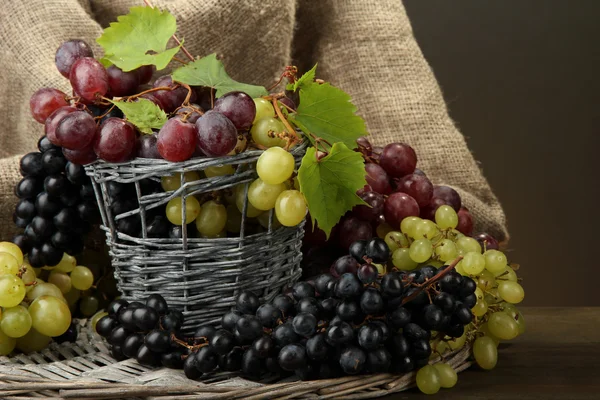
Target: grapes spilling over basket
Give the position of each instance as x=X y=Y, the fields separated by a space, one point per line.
x=203 y=185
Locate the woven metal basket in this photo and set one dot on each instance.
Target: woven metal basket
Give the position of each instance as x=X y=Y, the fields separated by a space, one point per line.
x=199 y=276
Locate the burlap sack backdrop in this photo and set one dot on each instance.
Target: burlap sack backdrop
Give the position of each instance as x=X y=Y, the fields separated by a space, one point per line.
x=365 y=47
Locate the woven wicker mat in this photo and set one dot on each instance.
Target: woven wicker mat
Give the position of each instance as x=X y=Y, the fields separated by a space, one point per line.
x=85 y=370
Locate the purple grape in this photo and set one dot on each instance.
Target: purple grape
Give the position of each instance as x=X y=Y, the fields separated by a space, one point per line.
x=487 y=241
x=398 y=159
x=353 y=229
x=68 y=53
x=399 y=206
x=378 y=179
x=449 y=195
x=419 y=187
x=343 y=265
x=371 y=211
x=146 y=147
x=367 y=273
x=122 y=83
x=238 y=107
x=217 y=135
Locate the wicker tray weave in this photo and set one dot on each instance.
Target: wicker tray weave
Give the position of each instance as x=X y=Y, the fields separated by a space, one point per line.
x=85 y=370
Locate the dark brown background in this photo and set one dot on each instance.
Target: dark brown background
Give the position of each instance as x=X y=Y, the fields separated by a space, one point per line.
x=522 y=81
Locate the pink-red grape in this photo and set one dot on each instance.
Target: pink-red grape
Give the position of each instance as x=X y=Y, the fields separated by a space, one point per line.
x=377 y=178
x=81 y=157
x=217 y=135
x=487 y=241
x=399 y=206
x=69 y=52
x=428 y=212
x=145 y=73
x=146 y=147
x=176 y=140
x=88 y=78
x=45 y=101
x=173 y=98
x=449 y=195
x=371 y=211
x=419 y=187
x=398 y=159
x=353 y=229
x=122 y=83
x=76 y=130
x=53 y=120
x=115 y=140
x=465 y=222
x=238 y=107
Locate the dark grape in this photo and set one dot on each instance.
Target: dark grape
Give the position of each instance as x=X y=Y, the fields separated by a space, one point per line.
x=264 y=346
x=231 y=361
x=88 y=211
x=189 y=367
x=348 y=286
x=352 y=360
x=230 y=318
x=329 y=306
x=445 y=301
x=378 y=250
x=284 y=303
x=339 y=334
x=463 y=314
x=378 y=360
x=42 y=227
x=172 y=321
x=44 y=144
x=170 y=99
x=305 y=324
x=76 y=130
x=414 y=332
x=247 y=303
x=378 y=179
x=419 y=187
x=145 y=318
x=398 y=159
x=56 y=185
x=117 y=353
x=88 y=78
x=284 y=334
x=158 y=341
x=451 y=282
x=449 y=195
x=176 y=140
x=465 y=222
x=23 y=242
x=399 y=317
x=117 y=336
x=222 y=342
x=238 y=107
x=343 y=265
x=249 y=327
x=45 y=101
x=358 y=250
x=391 y=285
x=372 y=210
x=217 y=135
x=25 y=209
x=115 y=140
x=116 y=306
x=309 y=305
x=31 y=165
x=53 y=161
x=105 y=325
x=467 y=287
x=46 y=206
x=371 y=302
x=292 y=357
x=421 y=349
x=303 y=289
x=132 y=344
x=399 y=206
x=353 y=229
x=455 y=330
x=125 y=317
x=367 y=273
x=146 y=147
x=403 y=364
x=206 y=331
x=69 y=52
x=432 y=316
x=268 y=315
x=487 y=241
x=322 y=284
x=157 y=302
x=145 y=356
x=470 y=300
x=122 y=83
x=206 y=359
x=369 y=337
x=50 y=254
x=28 y=188
x=69 y=336
x=399 y=345
x=173 y=359
x=317 y=348
x=251 y=364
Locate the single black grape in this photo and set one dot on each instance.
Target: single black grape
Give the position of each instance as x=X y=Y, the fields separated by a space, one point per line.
x=117 y=336
x=414 y=332
x=309 y=305
x=399 y=345
x=129 y=226
x=322 y=284
x=348 y=286
x=451 y=282
x=369 y=337
x=385 y=329
x=158 y=227
x=222 y=342
x=284 y=334
x=42 y=227
x=249 y=327
x=399 y=317
x=467 y=287
x=340 y=334
x=445 y=301
x=44 y=144
x=105 y=325
x=145 y=356
x=206 y=332
x=229 y=319
x=358 y=250
x=264 y=346
x=428 y=271
x=367 y=273
x=206 y=359
x=251 y=364
x=172 y=321
x=173 y=360
x=63 y=240
x=28 y=188
x=371 y=302
x=302 y=290
x=158 y=341
x=88 y=211
x=31 y=164
x=51 y=255
x=247 y=303
x=20 y=222
x=145 y=318
x=421 y=349
x=470 y=300
x=403 y=364
x=23 y=242
x=53 y=161
x=116 y=306
x=432 y=317
x=328 y=307
x=391 y=285
x=353 y=360
x=132 y=344
x=75 y=173
x=378 y=360
x=284 y=303
x=47 y=206
x=56 y=185
x=157 y=302
x=292 y=357
x=25 y=209
x=117 y=353
x=231 y=361
x=463 y=314
x=377 y=250
x=344 y=265
x=305 y=324
x=348 y=310
x=317 y=348
x=189 y=367
x=268 y=315
x=36 y=260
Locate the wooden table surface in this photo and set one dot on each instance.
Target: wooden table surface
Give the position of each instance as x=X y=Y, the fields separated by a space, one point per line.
x=558 y=357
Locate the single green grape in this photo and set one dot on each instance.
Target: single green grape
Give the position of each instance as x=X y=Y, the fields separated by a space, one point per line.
x=439 y=346
x=446 y=217
x=212 y=218
x=485 y=352
x=433 y=263
x=425 y=229
x=511 y=292
x=290 y=207
x=275 y=166
x=420 y=250
x=447 y=374
x=240 y=197
x=263 y=220
x=383 y=229
x=446 y=250
x=173 y=182
x=66 y=264
x=381 y=268
x=495 y=261
x=485 y=329
x=12 y=290
x=395 y=240
x=459 y=268
x=264 y=109
x=503 y=326
x=263 y=195
x=174 y=209
x=486 y=280
x=82 y=278
x=473 y=263
x=492 y=296
x=50 y=316
x=8 y=264
x=13 y=250
x=508 y=274
x=33 y=341
x=428 y=380
x=15 y=321
x=480 y=308
x=60 y=280
x=479 y=293
x=234 y=219
x=222 y=170
x=7 y=344
x=97 y=317
x=28 y=276
x=264 y=132
x=467 y=244
x=408 y=224
x=456 y=343
x=89 y=305
x=402 y=260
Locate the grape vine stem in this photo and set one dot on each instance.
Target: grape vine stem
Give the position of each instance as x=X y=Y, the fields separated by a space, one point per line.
x=181 y=46
x=431 y=281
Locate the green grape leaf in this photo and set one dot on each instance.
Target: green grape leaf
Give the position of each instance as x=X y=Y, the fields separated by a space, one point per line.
x=326 y=112
x=143 y=113
x=208 y=71
x=139 y=38
x=305 y=80
x=330 y=184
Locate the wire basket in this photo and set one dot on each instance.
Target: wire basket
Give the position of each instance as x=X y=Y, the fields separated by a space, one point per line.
x=199 y=276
